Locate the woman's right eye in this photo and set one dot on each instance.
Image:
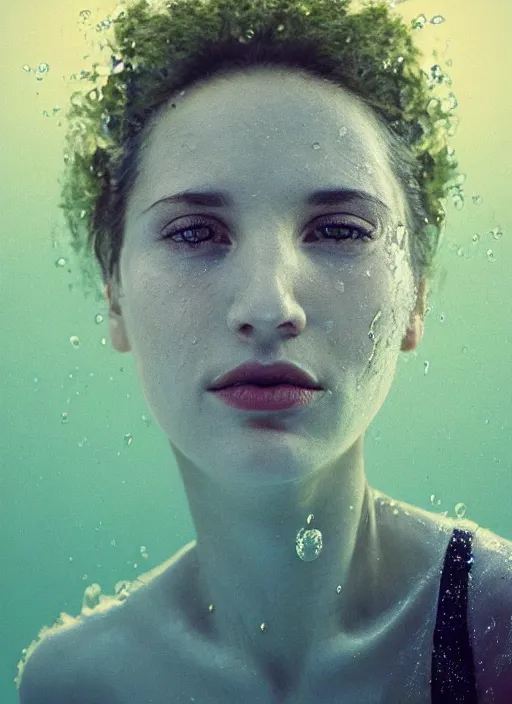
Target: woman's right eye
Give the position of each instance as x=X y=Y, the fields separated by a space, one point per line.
x=189 y=235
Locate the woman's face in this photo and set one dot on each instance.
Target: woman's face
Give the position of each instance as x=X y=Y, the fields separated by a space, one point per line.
x=267 y=282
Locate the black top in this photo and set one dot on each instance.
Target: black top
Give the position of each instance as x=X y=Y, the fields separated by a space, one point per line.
x=453 y=671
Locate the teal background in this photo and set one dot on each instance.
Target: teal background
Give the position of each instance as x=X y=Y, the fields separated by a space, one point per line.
x=99 y=499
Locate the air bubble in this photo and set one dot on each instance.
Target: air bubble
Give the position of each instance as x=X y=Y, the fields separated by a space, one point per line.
x=497 y=233
x=460 y=510
x=75 y=341
x=308 y=544
x=98 y=318
x=419 y=22
x=316 y=145
x=491 y=256
x=438 y=19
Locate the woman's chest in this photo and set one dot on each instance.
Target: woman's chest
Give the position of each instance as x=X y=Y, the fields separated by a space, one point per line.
x=387 y=667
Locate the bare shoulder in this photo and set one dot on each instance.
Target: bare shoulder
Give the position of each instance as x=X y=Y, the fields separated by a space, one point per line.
x=490 y=615
x=56 y=669
x=72 y=660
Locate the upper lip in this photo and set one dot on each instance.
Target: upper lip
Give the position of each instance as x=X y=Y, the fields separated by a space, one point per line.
x=266 y=374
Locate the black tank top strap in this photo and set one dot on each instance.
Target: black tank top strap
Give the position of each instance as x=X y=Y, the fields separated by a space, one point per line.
x=453 y=674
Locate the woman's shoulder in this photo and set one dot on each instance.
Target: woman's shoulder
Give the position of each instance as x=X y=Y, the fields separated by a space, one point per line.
x=489 y=596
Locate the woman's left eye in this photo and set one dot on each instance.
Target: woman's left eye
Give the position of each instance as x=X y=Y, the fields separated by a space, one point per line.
x=353 y=232
x=349 y=232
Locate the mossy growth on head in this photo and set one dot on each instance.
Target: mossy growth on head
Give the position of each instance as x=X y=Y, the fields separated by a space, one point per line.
x=161 y=48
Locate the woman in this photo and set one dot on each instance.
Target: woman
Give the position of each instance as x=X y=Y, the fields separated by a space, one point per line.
x=261 y=187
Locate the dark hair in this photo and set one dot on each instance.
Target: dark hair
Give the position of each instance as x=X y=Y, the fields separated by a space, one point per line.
x=158 y=52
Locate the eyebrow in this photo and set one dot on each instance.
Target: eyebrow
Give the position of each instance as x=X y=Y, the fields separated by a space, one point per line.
x=222 y=199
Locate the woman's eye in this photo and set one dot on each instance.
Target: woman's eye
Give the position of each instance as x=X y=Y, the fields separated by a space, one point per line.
x=196 y=233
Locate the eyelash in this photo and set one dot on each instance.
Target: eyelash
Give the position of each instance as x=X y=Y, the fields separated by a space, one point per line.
x=363 y=233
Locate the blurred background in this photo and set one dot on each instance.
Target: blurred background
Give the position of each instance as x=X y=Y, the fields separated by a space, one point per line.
x=89 y=490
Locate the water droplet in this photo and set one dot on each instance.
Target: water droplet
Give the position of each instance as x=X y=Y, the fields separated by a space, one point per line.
x=128 y=439
x=246 y=38
x=438 y=19
x=74 y=341
x=460 y=510
x=432 y=106
x=476 y=238
x=419 y=22
x=211 y=608
x=458 y=197
x=60 y=262
x=433 y=500
x=308 y=544
x=316 y=145
x=98 y=318
x=338 y=589
x=450 y=103
x=310 y=519
x=426 y=366
x=64 y=417
x=497 y=233
x=437 y=73
x=491 y=256
x=491 y=626
x=263 y=627
x=280 y=28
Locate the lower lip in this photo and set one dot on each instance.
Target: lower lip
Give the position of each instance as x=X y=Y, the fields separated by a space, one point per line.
x=248 y=397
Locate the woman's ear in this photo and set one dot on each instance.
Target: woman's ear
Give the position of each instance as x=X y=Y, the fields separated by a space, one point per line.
x=117 y=326
x=414 y=334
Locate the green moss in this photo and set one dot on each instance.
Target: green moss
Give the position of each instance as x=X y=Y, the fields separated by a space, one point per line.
x=161 y=48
